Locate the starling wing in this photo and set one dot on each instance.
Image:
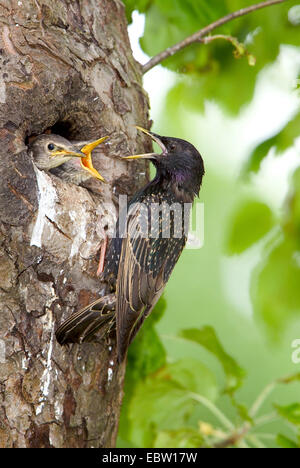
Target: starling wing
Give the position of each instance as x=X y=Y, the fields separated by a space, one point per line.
x=146 y=263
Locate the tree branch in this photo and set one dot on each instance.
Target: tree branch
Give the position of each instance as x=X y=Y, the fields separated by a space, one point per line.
x=240 y=49
x=197 y=37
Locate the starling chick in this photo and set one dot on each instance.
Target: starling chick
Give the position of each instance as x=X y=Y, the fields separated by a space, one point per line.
x=65 y=159
x=50 y=151
x=139 y=264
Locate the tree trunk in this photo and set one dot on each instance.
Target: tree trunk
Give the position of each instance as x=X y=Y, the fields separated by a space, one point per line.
x=66 y=65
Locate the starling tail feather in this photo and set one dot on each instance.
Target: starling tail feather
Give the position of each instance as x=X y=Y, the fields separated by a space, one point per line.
x=83 y=325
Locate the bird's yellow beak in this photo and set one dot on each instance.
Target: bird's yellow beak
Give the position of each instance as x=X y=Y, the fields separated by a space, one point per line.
x=86 y=161
x=148 y=155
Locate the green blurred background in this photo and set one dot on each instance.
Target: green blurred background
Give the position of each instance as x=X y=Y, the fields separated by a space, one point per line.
x=245 y=281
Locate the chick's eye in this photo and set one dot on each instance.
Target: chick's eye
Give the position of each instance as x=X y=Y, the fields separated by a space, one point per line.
x=51 y=146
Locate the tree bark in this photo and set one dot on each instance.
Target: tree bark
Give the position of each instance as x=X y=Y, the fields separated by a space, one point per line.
x=66 y=65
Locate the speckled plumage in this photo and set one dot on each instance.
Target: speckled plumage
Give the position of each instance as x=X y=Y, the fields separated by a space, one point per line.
x=139 y=265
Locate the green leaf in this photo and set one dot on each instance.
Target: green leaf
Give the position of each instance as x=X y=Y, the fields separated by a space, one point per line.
x=207 y=338
x=218 y=72
x=284 y=442
x=242 y=410
x=275 y=288
x=187 y=91
x=192 y=375
x=139 y=5
x=251 y=221
x=292 y=218
x=146 y=355
x=290 y=412
x=280 y=142
x=182 y=438
x=170 y=21
x=162 y=402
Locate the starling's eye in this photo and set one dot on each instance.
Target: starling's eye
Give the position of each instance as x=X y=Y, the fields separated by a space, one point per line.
x=172 y=147
x=51 y=146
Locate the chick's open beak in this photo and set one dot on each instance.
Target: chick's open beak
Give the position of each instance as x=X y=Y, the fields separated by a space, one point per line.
x=148 y=155
x=86 y=159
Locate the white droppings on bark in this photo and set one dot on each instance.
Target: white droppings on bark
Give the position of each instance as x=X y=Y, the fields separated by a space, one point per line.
x=79 y=222
x=2 y=352
x=25 y=362
x=46 y=376
x=2 y=92
x=52 y=296
x=109 y=374
x=47 y=200
x=58 y=409
x=39 y=409
x=47 y=372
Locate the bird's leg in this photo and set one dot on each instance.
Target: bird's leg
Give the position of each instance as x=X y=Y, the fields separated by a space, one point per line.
x=102 y=255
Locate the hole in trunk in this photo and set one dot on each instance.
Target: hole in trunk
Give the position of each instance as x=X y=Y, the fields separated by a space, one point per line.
x=63 y=129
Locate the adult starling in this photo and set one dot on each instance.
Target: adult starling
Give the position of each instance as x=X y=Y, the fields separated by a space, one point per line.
x=139 y=265
x=64 y=158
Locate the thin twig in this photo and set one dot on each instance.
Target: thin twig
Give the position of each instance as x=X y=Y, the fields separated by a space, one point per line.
x=255 y=441
x=207 y=39
x=234 y=439
x=211 y=407
x=267 y=436
x=240 y=49
x=197 y=37
x=266 y=419
x=268 y=390
x=262 y=398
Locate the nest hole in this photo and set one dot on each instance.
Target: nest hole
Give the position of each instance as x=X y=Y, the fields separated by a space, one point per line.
x=73 y=126
x=64 y=129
